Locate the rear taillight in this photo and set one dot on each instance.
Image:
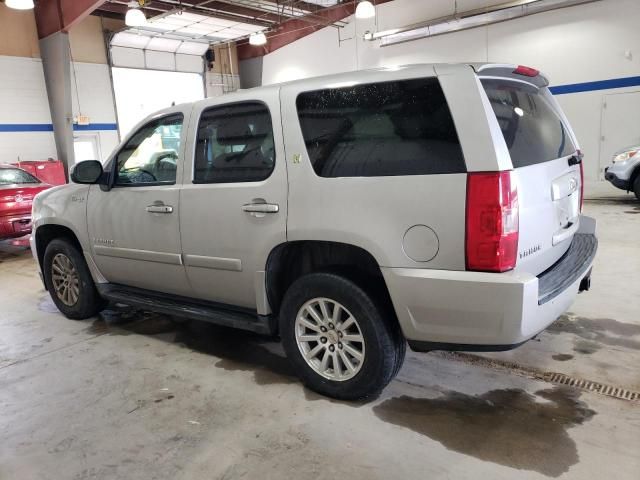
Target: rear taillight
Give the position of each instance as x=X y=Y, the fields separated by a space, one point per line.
x=581 y=181
x=491 y=242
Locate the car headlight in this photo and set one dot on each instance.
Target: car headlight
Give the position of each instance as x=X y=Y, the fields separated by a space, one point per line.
x=621 y=157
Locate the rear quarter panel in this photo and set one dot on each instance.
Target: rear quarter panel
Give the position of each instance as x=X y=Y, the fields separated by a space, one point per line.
x=375 y=213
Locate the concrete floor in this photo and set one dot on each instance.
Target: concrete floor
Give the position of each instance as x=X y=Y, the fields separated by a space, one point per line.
x=142 y=397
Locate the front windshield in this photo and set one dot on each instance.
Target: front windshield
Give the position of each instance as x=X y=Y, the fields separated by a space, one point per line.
x=11 y=176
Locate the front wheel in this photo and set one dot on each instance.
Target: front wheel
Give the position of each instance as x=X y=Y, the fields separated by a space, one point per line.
x=341 y=342
x=636 y=187
x=69 y=281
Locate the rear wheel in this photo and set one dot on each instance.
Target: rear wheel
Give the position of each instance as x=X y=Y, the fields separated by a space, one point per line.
x=636 y=187
x=340 y=341
x=69 y=281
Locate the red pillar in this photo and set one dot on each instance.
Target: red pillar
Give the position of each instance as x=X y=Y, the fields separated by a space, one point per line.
x=60 y=15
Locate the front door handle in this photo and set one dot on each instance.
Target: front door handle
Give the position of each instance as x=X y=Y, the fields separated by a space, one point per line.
x=159 y=208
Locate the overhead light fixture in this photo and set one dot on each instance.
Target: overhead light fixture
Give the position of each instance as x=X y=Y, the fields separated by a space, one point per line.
x=134 y=16
x=365 y=9
x=257 y=38
x=19 y=4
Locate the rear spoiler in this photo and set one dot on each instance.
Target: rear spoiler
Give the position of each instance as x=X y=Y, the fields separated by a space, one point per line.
x=515 y=72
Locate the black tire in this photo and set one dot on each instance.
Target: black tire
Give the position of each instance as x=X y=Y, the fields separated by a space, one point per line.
x=636 y=186
x=385 y=346
x=89 y=302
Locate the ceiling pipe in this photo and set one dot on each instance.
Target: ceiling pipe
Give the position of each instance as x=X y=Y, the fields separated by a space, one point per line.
x=470 y=19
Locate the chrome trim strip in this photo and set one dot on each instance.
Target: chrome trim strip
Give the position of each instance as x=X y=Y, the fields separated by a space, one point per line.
x=134 y=254
x=217 y=263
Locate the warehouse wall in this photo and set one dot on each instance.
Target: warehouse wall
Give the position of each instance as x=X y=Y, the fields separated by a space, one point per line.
x=25 y=120
x=595 y=41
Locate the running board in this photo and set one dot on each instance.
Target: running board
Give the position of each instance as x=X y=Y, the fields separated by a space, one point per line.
x=189 y=308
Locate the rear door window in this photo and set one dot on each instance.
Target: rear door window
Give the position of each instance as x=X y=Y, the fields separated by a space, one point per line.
x=532 y=129
x=380 y=129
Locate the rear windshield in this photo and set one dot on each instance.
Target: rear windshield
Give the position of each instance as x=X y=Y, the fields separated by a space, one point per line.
x=532 y=129
x=10 y=176
x=380 y=129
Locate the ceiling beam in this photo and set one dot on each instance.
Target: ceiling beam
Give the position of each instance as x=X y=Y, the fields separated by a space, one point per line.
x=216 y=9
x=296 y=28
x=60 y=15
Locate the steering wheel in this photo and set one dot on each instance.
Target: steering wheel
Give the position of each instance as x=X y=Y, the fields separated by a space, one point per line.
x=149 y=173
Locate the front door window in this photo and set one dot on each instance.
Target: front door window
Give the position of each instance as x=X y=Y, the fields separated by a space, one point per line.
x=150 y=157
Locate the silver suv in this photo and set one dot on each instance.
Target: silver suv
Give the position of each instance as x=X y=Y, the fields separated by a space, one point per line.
x=434 y=205
x=624 y=171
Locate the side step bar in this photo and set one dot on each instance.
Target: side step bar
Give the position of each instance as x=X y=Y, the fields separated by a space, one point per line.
x=189 y=308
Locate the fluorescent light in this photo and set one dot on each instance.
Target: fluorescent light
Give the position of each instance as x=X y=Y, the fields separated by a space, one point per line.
x=257 y=38
x=135 y=18
x=365 y=9
x=20 y=4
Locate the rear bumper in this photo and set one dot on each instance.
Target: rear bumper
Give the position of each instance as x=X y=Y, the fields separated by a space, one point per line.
x=457 y=310
x=13 y=226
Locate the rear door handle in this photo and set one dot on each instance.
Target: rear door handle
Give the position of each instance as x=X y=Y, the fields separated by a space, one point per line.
x=159 y=208
x=260 y=208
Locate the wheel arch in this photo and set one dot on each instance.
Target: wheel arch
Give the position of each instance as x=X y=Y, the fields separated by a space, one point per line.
x=288 y=261
x=44 y=234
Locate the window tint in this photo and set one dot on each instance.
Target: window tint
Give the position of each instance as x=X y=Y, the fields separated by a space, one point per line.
x=151 y=154
x=234 y=144
x=533 y=131
x=9 y=176
x=380 y=129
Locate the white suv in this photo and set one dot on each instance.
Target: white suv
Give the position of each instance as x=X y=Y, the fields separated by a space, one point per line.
x=434 y=205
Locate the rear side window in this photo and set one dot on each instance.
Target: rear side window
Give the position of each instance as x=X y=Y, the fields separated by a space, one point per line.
x=380 y=129
x=532 y=129
x=234 y=144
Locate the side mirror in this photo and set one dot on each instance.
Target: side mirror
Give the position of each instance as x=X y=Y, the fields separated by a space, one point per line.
x=88 y=171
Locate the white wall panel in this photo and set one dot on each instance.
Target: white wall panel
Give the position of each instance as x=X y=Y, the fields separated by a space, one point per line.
x=571 y=45
x=16 y=146
x=24 y=101
x=94 y=98
x=23 y=95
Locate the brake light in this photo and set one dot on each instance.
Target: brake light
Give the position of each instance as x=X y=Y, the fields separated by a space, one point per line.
x=526 y=71
x=491 y=241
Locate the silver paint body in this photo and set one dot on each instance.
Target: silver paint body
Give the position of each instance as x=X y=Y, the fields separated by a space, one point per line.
x=210 y=248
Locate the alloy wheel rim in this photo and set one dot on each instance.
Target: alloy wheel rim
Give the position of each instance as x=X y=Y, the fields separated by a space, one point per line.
x=329 y=339
x=65 y=280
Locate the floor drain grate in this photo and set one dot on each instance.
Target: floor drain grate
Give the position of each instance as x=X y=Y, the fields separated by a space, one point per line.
x=601 y=388
x=551 y=377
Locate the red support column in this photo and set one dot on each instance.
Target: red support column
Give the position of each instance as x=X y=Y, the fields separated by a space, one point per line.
x=59 y=15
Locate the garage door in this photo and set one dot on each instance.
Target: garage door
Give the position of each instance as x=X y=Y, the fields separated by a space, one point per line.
x=151 y=72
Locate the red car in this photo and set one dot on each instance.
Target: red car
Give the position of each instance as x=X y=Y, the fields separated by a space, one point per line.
x=17 y=189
